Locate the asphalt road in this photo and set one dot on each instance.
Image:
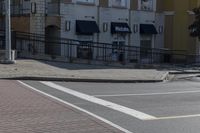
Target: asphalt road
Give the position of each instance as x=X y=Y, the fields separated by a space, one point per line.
x=169 y=107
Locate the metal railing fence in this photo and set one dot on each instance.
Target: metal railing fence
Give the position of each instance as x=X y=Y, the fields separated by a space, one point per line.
x=38 y=46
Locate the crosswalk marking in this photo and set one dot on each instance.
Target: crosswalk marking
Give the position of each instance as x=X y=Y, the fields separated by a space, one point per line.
x=114 y=106
x=78 y=108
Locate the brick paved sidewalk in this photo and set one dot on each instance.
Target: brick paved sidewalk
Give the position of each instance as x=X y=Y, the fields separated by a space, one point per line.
x=25 y=111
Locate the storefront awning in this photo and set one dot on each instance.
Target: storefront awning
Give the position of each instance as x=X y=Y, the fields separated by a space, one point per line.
x=120 y=28
x=86 y=27
x=148 y=29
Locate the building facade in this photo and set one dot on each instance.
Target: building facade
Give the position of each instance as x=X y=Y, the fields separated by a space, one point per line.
x=138 y=23
x=147 y=20
x=122 y=23
x=178 y=17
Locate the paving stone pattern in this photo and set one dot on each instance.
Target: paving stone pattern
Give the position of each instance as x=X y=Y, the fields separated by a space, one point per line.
x=25 y=111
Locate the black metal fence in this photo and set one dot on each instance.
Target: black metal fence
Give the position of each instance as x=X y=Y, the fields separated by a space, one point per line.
x=38 y=46
x=2 y=39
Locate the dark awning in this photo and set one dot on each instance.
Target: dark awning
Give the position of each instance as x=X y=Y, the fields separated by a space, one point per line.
x=148 y=29
x=86 y=27
x=120 y=28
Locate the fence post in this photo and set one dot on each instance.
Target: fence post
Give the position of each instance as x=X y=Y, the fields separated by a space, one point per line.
x=14 y=40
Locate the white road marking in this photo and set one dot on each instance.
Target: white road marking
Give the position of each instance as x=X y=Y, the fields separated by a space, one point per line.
x=78 y=108
x=114 y=106
x=148 y=94
x=177 y=117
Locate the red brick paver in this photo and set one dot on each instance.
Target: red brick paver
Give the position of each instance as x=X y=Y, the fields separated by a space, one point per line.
x=25 y=111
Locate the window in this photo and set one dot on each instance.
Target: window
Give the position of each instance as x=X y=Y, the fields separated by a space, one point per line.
x=86 y=1
x=105 y=27
x=119 y=3
x=147 y=5
x=67 y=25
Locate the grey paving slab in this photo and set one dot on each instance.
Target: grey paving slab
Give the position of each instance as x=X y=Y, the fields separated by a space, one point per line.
x=56 y=70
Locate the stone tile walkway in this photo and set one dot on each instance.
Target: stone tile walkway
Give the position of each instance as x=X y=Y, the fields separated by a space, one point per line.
x=25 y=111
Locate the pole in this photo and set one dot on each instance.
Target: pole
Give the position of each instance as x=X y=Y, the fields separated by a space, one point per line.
x=8 y=31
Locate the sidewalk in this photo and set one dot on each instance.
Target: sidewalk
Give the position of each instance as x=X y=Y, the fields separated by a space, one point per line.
x=25 y=111
x=44 y=70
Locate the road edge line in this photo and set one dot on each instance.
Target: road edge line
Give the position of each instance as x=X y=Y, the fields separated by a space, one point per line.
x=78 y=108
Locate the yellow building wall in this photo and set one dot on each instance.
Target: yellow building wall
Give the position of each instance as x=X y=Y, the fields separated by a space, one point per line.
x=168 y=5
x=181 y=21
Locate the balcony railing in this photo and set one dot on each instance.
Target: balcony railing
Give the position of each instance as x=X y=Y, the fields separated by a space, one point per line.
x=16 y=9
x=24 y=8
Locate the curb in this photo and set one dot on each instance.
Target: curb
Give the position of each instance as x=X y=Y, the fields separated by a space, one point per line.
x=84 y=80
x=165 y=76
x=184 y=72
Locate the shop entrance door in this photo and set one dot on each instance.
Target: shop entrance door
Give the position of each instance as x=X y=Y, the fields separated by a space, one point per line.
x=146 y=48
x=85 y=50
x=118 y=50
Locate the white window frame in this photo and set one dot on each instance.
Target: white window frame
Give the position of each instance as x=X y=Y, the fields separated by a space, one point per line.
x=87 y=2
x=125 y=5
x=152 y=8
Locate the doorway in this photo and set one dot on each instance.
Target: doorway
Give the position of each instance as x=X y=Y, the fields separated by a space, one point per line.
x=52 y=41
x=118 y=50
x=118 y=47
x=146 y=48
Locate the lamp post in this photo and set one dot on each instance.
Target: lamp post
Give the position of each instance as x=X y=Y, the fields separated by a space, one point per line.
x=8 y=33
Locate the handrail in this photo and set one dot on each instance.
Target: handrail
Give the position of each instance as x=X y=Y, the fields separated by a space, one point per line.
x=42 y=37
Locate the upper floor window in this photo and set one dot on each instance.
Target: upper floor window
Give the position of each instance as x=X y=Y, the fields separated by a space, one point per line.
x=86 y=1
x=120 y=3
x=147 y=5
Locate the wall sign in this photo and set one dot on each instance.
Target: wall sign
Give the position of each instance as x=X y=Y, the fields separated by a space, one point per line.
x=121 y=29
